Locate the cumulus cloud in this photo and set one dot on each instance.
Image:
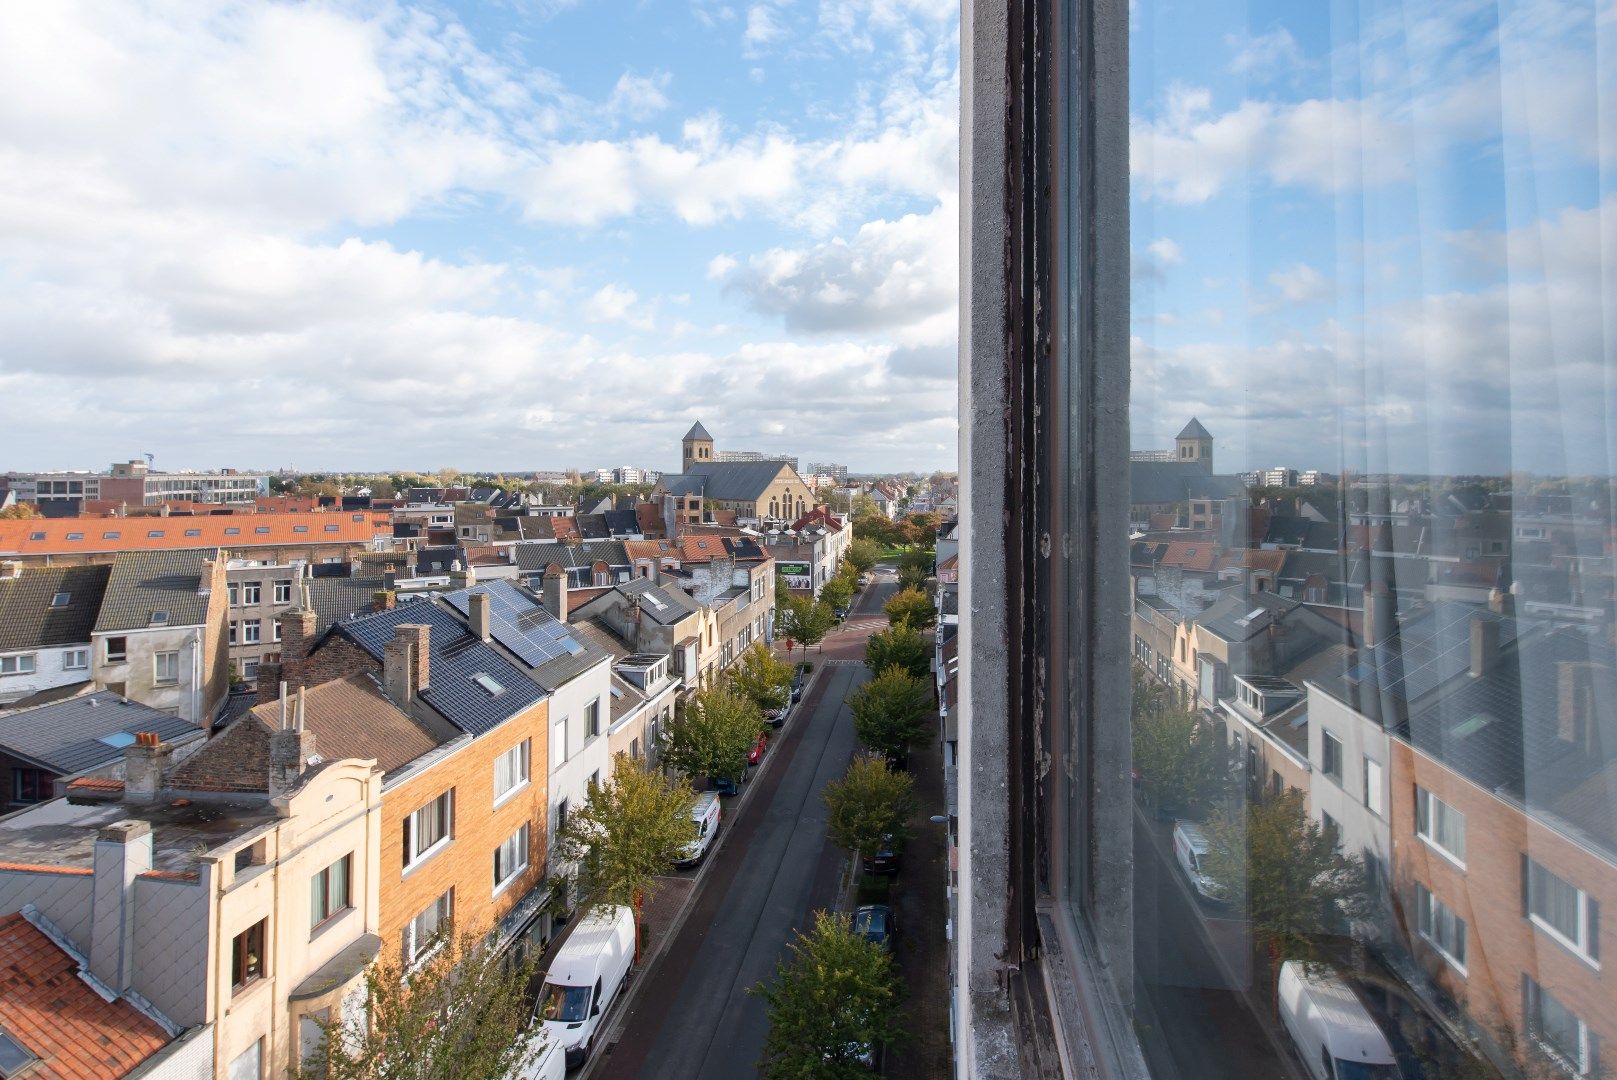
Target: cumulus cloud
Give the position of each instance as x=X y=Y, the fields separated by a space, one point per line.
x=1265 y=54
x=639 y=96
x=1158 y=255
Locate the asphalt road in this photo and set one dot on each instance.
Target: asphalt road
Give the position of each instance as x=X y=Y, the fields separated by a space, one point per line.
x=694 y=1016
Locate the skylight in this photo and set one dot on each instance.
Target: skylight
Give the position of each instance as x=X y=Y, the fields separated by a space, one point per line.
x=61 y=599
x=117 y=740
x=488 y=682
x=14 y=1057
x=159 y=618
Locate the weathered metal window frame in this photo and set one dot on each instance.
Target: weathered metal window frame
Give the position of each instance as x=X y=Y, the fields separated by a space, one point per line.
x=1044 y=971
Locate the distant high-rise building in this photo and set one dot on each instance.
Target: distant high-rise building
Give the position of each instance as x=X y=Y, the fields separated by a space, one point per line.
x=839 y=473
x=135 y=483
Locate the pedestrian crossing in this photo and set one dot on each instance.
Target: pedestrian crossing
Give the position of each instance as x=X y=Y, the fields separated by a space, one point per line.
x=863 y=625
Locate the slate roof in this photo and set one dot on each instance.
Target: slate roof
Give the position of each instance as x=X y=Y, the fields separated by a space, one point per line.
x=535 y=558
x=1194 y=430
x=697 y=431
x=57 y=1017
x=593 y=526
x=1153 y=483
x=535 y=629
x=436 y=561
x=27 y=619
x=456 y=657
x=337 y=598
x=622 y=522
x=142 y=582
x=65 y=737
x=1241 y=617
x=660 y=603
x=737 y=481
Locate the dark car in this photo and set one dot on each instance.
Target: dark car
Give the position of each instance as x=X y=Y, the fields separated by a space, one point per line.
x=798 y=682
x=875 y=922
x=756 y=754
x=777 y=716
x=842 y=613
x=725 y=786
x=886 y=859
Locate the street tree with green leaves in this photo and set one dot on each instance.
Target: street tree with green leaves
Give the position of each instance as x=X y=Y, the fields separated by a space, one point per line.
x=837 y=593
x=627 y=832
x=808 y=623
x=911 y=577
x=1184 y=767
x=713 y=736
x=891 y=712
x=912 y=608
x=900 y=646
x=762 y=676
x=863 y=555
x=1284 y=872
x=835 y=1002
x=459 y=1014
x=870 y=804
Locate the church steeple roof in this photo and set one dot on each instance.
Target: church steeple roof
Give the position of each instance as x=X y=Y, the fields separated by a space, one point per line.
x=697 y=431
x=1193 y=430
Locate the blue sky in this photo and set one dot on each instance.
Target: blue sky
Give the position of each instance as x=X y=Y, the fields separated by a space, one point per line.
x=516 y=235
x=1377 y=235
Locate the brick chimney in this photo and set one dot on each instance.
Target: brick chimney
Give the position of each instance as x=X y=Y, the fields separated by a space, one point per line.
x=1575 y=708
x=291 y=749
x=123 y=851
x=406 y=664
x=297 y=635
x=477 y=615
x=1484 y=646
x=461 y=577
x=144 y=761
x=1380 y=614
x=383 y=600
x=555 y=591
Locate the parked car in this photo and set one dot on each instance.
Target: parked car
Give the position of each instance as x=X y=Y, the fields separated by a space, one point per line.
x=584 y=979
x=778 y=715
x=1335 y=1035
x=759 y=748
x=1190 y=848
x=864 y=579
x=551 y=1061
x=886 y=859
x=799 y=681
x=842 y=613
x=706 y=814
x=724 y=785
x=875 y=922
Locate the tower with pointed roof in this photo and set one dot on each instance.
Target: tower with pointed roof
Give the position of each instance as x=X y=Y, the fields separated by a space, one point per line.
x=696 y=447
x=1194 y=445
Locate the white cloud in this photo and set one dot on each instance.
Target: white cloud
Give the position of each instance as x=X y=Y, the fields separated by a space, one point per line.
x=639 y=96
x=764 y=27
x=614 y=303
x=719 y=267
x=1158 y=255
x=1271 y=54
x=1299 y=284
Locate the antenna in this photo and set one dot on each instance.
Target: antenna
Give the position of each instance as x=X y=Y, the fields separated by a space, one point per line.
x=151 y=459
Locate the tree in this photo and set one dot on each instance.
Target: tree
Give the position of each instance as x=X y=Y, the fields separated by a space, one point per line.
x=809 y=622
x=912 y=608
x=714 y=735
x=869 y=805
x=900 y=646
x=1183 y=765
x=1284 y=871
x=863 y=554
x=626 y=833
x=762 y=676
x=837 y=593
x=920 y=559
x=910 y=577
x=452 y=1017
x=21 y=511
x=834 y=1002
x=890 y=712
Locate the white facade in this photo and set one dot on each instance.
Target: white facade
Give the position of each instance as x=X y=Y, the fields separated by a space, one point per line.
x=576 y=754
x=161 y=667
x=1359 y=802
x=28 y=671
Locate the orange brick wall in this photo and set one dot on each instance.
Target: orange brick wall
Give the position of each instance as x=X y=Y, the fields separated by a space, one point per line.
x=1501 y=943
x=467 y=862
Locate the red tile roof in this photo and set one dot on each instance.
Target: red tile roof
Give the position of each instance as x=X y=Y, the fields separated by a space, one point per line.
x=55 y=1015
x=1194 y=555
x=56 y=536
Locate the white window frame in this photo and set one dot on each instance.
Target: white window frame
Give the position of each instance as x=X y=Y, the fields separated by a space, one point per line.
x=20 y=664
x=121 y=657
x=159 y=660
x=516 y=846
x=283 y=592
x=415 y=952
x=519 y=757
x=1426 y=921
x=75 y=659
x=1533 y=995
x=252 y=631
x=234 y=593
x=275 y=630
x=592 y=719
x=412 y=830
x=558 y=759
x=1587 y=931
x=1326 y=738
x=249 y=668
x=1375 y=794
x=252 y=593
x=234 y=631
x=1426 y=810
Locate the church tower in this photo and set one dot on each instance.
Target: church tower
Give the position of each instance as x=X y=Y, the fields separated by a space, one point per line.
x=1194 y=445
x=696 y=447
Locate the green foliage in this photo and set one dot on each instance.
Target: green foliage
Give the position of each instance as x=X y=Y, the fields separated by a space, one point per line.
x=459 y=1015
x=899 y=646
x=1284 y=872
x=890 y=712
x=870 y=802
x=809 y=622
x=713 y=736
x=762 y=676
x=837 y=593
x=837 y=998
x=862 y=555
x=1184 y=767
x=878 y=528
x=918 y=559
x=911 y=607
x=910 y=577
x=627 y=832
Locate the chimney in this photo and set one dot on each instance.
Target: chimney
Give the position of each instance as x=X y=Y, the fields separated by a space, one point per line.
x=461 y=577
x=1380 y=614
x=144 y=760
x=390 y=578
x=123 y=851
x=1484 y=646
x=398 y=671
x=291 y=750
x=383 y=600
x=1575 y=709
x=555 y=592
x=477 y=614
x=1502 y=602
x=297 y=634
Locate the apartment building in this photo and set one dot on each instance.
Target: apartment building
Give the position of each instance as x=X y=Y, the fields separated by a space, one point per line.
x=46 y=615
x=135 y=483
x=160 y=636
x=259 y=591
x=317 y=539
x=654 y=619
x=191 y=887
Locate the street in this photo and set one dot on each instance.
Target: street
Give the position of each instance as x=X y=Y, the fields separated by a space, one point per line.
x=694 y=1015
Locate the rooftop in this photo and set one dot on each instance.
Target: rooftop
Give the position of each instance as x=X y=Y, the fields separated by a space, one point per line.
x=59 y=834
x=50 y=605
x=154 y=588
x=85 y=732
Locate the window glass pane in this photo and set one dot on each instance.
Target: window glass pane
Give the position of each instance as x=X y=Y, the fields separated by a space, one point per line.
x=1373 y=424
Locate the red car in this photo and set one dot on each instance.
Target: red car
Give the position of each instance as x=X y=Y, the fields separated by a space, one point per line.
x=756 y=754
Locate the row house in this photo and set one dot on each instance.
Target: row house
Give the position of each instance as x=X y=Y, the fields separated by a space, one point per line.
x=657 y=619
x=46 y=615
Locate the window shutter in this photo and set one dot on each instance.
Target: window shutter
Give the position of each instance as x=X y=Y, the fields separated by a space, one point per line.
x=1527 y=873
x=1594 y=931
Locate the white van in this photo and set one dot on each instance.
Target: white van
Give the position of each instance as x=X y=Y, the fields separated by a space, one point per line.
x=1334 y=1034
x=584 y=980
x=551 y=1064
x=1190 y=848
x=706 y=815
